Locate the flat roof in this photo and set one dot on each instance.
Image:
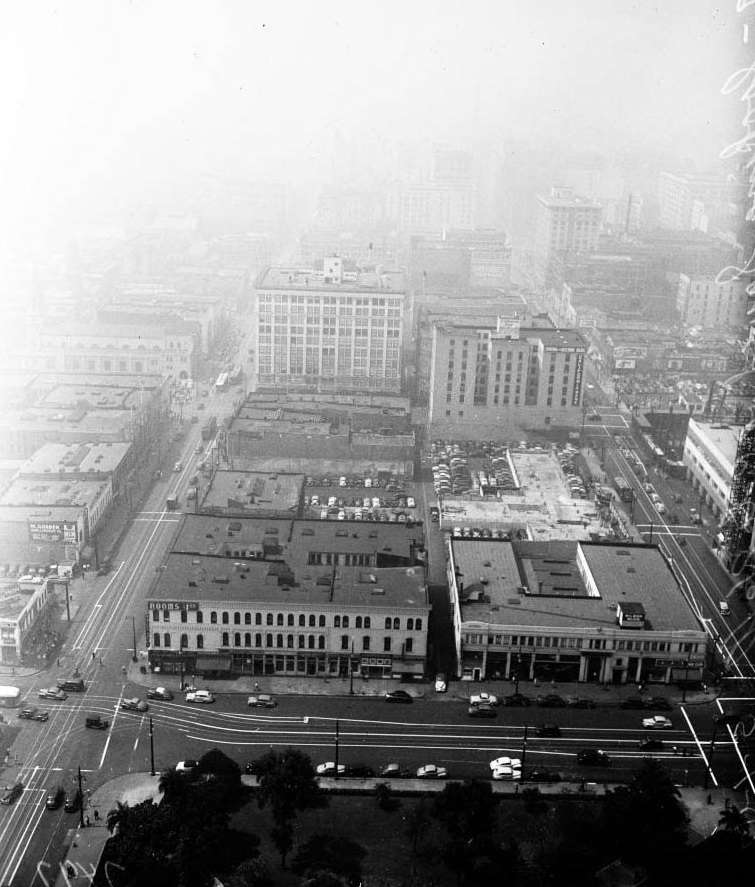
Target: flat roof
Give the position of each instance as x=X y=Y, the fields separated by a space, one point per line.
x=144 y=381
x=356 y=283
x=69 y=492
x=108 y=423
x=44 y=513
x=723 y=437
x=12 y=599
x=250 y=491
x=249 y=582
x=507 y=576
x=73 y=458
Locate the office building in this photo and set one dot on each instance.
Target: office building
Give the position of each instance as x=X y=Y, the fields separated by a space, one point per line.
x=565 y=222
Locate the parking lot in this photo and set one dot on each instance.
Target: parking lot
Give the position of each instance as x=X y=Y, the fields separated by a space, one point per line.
x=385 y=499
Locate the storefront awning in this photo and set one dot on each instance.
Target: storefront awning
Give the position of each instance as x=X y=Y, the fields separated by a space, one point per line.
x=213 y=663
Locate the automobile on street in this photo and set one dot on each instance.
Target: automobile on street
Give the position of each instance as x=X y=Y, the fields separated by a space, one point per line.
x=33 y=714
x=593 y=757
x=659 y=722
x=398 y=696
x=134 y=704
x=431 y=771
x=53 y=693
x=486 y=698
x=506 y=773
x=484 y=710
x=329 y=769
x=200 y=697
x=262 y=700
x=160 y=693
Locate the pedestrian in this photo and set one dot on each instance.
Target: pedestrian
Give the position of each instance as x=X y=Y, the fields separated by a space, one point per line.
x=86 y=822
x=58 y=663
x=101 y=662
x=96 y=814
x=553 y=684
x=93 y=655
x=123 y=669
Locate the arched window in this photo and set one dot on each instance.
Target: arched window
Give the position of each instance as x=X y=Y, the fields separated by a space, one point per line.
x=268 y=640
x=155 y=616
x=396 y=624
x=290 y=620
x=156 y=639
x=345 y=622
x=321 y=643
x=302 y=620
x=387 y=622
x=336 y=622
x=200 y=642
x=410 y=625
x=200 y=616
x=225 y=639
x=184 y=616
x=418 y=625
x=247 y=639
x=301 y=641
x=280 y=618
x=366 y=643
x=237 y=639
x=258 y=618
x=279 y=640
x=225 y=618
x=358 y=622
x=166 y=639
x=311 y=641
x=213 y=618
x=366 y=621
x=237 y=618
x=247 y=618
x=312 y=621
x=258 y=640
x=409 y=647
x=269 y=618
x=290 y=640
x=184 y=641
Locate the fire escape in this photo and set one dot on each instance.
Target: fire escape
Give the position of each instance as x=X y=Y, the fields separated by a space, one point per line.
x=738 y=524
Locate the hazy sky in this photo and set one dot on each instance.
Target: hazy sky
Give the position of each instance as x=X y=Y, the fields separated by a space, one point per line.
x=106 y=97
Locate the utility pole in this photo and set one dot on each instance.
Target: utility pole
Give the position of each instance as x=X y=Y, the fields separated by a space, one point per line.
x=709 y=768
x=134 y=657
x=351 y=671
x=651 y=532
x=631 y=506
x=81 y=801
x=151 y=749
x=524 y=748
x=68 y=602
x=338 y=727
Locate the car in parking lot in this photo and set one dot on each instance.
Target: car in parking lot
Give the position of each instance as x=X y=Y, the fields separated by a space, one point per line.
x=657 y=722
x=134 y=704
x=548 y=730
x=431 y=771
x=483 y=710
x=159 y=693
x=261 y=700
x=398 y=696
x=483 y=698
x=53 y=693
x=200 y=696
x=593 y=757
x=329 y=769
x=12 y=794
x=394 y=771
x=33 y=714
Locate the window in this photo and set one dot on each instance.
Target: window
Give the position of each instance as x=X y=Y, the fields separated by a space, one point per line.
x=366 y=643
x=269 y=618
x=301 y=641
x=156 y=640
x=247 y=618
x=200 y=642
x=213 y=618
x=225 y=618
x=258 y=640
x=358 y=622
x=224 y=642
x=155 y=615
x=279 y=640
x=321 y=643
x=410 y=625
x=396 y=624
x=336 y=622
x=418 y=625
x=388 y=623
x=258 y=618
x=322 y=621
x=280 y=619
x=366 y=621
x=166 y=639
x=386 y=645
x=290 y=620
x=268 y=640
x=166 y=616
x=247 y=639
x=312 y=621
x=409 y=646
x=184 y=616
x=345 y=621
x=311 y=641
x=302 y=620
x=237 y=639
x=344 y=642
x=184 y=641
x=237 y=618
x=290 y=641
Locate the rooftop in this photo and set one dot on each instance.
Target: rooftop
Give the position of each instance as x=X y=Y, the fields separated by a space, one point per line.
x=76 y=458
x=69 y=492
x=254 y=491
x=357 y=282
x=723 y=438
x=567 y=584
x=106 y=423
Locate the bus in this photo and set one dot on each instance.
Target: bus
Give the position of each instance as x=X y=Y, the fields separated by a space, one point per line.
x=10 y=697
x=234 y=377
x=222 y=382
x=624 y=489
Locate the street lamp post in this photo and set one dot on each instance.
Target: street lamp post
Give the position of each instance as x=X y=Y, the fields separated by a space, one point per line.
x=151 y=749
x=81 y=800
x=351 y=671
x=134 y=657
x=338 y=727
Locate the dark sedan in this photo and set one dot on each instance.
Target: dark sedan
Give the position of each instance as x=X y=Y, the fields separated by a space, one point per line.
x=33 y=714
x=552 y=700
x=593 y=757
x=398 y=696
x=516 y=700
x=542 y=774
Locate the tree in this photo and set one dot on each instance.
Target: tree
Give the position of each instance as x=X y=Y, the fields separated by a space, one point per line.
x=385 y=797
x=217 y=763
x=417 y=821
x=731 y=819
x=324 y=879
x=250 y=873
x=172 y=784
x=336 y=854
x=467 y=809
x=288 y=784
x=118 y=817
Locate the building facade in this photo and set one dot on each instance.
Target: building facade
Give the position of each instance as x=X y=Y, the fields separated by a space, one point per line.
x=565 y=222
x=701 y=301
x=709 y=454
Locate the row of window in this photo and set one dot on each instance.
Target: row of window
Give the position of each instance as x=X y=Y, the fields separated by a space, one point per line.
x=391 y=622
x=583 y=643
x=290 y=641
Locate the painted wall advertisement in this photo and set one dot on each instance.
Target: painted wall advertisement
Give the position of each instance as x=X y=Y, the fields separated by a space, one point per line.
x=52 y=531
x=578 y=380
x=625 y=352
x=625 y=364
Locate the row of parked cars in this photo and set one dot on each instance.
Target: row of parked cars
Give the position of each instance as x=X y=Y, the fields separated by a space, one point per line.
x=480 y=533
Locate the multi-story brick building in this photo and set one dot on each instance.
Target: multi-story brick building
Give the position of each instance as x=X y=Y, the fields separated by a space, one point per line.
x=702 y=301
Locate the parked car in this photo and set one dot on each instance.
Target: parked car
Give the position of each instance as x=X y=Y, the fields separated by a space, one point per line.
x=33 y=714
x=178 y=467
x=483 y=698
x=633 y=702
x=548 y=730
x=394 y=771
x=262 y=700
x=72 y=803
x=542 y=774
x=441 y=684
x=552 y=700
x=517 y=700
x=580 y=702
x=398 y=696
x=506 y=773
x=160 y=693
x=53 y=693
x=506 y=761
x=360 y=771
x=329 y=769
x=658 y=722
x=659 y=703
x=483 y=710
x=55 y=797
x=593 y=757
x=12 y=794
x=200 y=696
x=134 y=704
x=431 y=771
x=650 y=744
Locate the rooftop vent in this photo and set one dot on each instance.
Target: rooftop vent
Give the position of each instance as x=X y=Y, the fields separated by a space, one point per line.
x=221 y=580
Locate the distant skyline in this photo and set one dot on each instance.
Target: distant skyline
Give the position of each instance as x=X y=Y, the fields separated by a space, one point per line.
x=109 y=101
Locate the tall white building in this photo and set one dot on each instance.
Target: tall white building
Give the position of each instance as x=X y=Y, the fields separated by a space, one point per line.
x=701 y=301
x=329 y=329
x=565 y=222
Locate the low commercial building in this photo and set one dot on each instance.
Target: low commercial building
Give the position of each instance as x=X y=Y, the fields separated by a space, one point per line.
x=310 y=598
x=42 y=535
x=571 y=611
x=710 y=452
x=27 y=627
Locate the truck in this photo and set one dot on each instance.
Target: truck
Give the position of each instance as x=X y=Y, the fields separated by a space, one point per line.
x=171 y=503
x=209 y=428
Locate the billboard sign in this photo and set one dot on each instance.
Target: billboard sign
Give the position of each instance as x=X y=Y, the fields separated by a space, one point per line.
x=625 y=364
x=578 y=380
x=623 y=352
x=52 y=531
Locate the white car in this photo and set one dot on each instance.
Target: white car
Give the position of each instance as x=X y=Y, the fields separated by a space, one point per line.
x=507 y=773
x=200 y=696
x=410 y=503
x=329 y=769
x=505 y=761
x=262 y=700
x=430 y=771
x=659 y=722
x=440 y=683
x=488 y=698
x=178 y=467
x=186 y=766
